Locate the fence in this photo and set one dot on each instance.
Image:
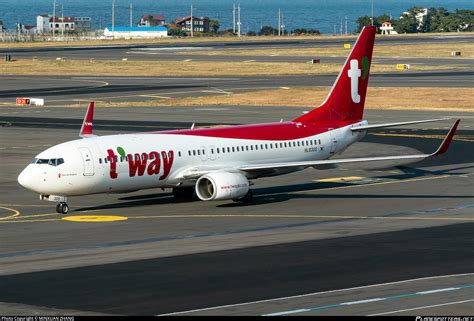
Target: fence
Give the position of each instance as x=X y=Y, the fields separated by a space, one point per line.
x=22 y=37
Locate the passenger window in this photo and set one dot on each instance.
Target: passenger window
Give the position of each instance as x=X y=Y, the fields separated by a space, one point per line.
x=105 y=160
x=247 y=148
x=256 y=147
x=228 y=149
x=238 y=149
x=218 y=150
x=199 y=152
x=194 y=153
x=233 y=149
x=319 y=140
x=179 y=154
x=100 y=160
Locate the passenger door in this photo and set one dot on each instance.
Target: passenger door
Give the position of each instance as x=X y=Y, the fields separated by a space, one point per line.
x=87 y=161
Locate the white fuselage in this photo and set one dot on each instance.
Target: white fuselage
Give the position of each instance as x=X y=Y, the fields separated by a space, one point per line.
x=162 y=160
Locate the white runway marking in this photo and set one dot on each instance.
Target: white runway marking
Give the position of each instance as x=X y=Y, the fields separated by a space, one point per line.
x=419 y=308
x=317 y=293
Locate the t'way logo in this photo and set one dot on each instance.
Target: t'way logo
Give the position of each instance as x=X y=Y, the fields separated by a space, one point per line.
x=138 y=164
x=355 y=73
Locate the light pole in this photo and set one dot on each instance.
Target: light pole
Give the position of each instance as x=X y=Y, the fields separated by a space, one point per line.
x=238 y=23
x=279 y=22
x=54 y=17
x=62 y=21
x=113 y=19
x=192 y=22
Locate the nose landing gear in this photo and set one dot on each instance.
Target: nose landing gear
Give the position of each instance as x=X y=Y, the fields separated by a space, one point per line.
x=62 y=208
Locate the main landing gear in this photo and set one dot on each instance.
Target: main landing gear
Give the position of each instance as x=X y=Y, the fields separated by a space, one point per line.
x=62 y=208
x=183 y=193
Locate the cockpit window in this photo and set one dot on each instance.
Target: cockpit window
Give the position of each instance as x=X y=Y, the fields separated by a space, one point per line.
x=52 y=161
x=42 y=161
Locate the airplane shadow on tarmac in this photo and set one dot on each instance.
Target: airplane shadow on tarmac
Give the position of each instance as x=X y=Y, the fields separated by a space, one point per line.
x=278 y=194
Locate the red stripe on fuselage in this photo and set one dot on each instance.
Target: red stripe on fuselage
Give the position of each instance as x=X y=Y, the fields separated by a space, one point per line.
x=270 y=131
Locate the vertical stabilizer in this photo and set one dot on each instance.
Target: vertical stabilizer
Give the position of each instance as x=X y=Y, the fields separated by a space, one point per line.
x=86 y=129
x=347 y=96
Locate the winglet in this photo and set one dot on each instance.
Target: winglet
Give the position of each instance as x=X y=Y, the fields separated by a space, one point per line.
x=447 y=140
x=86 y=129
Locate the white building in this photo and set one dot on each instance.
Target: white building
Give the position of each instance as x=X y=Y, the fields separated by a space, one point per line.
x=136 y=32
x=387 y=28
x=46 y=24
x=42 y=23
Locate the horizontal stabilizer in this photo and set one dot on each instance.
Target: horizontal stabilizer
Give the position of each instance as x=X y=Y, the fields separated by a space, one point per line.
x=361 y=128
x=441 y=150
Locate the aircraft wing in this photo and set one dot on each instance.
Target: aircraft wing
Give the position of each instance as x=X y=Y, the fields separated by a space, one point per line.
x=361 y=128
x=196 y=172
x=441 y=150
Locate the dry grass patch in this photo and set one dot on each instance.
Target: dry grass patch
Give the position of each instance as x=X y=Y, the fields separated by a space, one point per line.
x=176 y=68
x=439 y=99
x=424 y=50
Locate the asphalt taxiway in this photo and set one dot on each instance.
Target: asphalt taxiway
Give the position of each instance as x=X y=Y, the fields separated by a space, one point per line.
x=353 y=240
x=61 y=90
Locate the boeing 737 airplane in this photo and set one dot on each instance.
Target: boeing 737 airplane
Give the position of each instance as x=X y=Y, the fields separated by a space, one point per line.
x=216 y=163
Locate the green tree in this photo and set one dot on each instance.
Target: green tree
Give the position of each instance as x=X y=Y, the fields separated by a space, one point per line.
x=268 y=31
x=214 y=25
x=406 y=24
x=174 y=30
x=303 y=31
x=362 y=22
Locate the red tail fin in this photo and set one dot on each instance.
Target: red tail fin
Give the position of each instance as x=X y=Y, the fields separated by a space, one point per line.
x=347 y=97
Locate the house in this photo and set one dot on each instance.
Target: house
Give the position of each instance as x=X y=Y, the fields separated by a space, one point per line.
x=42 y=23
x=199 y=24
x=59 y=24
x=136 y=32
x=387 y=29
x=25 y=29
x=46 y=23
x=151 y=20
x=82 y=24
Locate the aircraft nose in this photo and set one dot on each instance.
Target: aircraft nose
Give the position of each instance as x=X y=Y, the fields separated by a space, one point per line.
x=28 y=179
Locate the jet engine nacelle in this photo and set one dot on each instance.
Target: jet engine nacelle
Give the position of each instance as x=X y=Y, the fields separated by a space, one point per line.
x=222 y=186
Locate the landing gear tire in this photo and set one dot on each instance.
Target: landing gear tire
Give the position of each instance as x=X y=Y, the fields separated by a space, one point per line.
x=62 y=208
x=247 y=198
x=183 y=193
